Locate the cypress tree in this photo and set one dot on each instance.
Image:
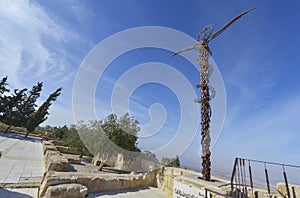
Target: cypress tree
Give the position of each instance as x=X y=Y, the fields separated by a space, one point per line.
x=41 y=114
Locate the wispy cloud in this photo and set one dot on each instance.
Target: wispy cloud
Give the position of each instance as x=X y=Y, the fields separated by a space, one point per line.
x=32 y=44
x=264 y=135
x=35 y=46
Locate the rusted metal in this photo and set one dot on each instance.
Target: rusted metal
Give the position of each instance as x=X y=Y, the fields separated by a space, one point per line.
x=294 y=193
x=206 y=35
x=286 y=182
x=233 y=175
x=245 y=179
x=250 y=177
x=273 y=163
x=267 y=180
x=236 y=187
x=242 y=176
x=239 y=179
x=239 y=186
x=217 y=33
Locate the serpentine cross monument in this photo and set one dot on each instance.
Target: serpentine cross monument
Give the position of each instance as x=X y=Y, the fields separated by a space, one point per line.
x=203 y=38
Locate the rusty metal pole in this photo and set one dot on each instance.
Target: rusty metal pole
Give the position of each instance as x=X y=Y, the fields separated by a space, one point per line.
x=233 y=174
x=250 y=177
x=267 y=179
x=244 y=170
x=286 y=182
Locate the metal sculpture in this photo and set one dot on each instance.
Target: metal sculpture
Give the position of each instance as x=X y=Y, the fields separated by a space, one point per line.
x=203 y=38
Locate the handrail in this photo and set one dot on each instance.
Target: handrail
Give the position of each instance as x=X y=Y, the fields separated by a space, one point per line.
x=239 y=184
x=274 y=163
x=215 y=192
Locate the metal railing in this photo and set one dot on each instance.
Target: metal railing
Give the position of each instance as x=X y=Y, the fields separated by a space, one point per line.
x=207 y=190
x=242 y=179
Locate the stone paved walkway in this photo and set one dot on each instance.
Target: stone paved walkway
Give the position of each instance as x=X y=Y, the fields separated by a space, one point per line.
x=135 y=193
x=21 y=163
x=22 y=159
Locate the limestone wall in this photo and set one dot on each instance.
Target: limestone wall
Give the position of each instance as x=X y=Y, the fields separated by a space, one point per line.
x=167 y=175
x=58 y=181
x=56 y=177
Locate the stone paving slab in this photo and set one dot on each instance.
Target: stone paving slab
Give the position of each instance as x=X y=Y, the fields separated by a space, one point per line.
x=135 y=193
x=21 y=158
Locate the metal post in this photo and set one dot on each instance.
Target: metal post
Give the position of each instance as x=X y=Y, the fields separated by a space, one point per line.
x=267 y=180
x=233 y=173
x=251 y=181
x=286 y=182
x=246 y=189
x=294 y=193
x=239 y=181
x=242 y=177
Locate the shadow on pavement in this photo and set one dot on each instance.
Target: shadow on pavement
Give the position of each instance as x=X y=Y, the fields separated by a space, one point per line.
x=4 y=193
x=118 y=192
x=19 y=137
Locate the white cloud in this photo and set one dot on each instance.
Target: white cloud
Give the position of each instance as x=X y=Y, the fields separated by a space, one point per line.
x=81 y=11
x=36 y=45
x=32 y=43
x=270 y=135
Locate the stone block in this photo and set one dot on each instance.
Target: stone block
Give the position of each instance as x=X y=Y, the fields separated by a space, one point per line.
x=49 y=147
x=96 y=162
x=66 y=190
x=97 y=182
x=57 y=163
x=73 y=159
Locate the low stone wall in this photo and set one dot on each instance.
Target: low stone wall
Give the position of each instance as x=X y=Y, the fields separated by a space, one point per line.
x=96 y=183
x=53 y=160
x=58 y=182
x=66 y=190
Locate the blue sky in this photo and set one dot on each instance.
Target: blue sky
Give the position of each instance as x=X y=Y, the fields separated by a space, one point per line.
x=257 y=57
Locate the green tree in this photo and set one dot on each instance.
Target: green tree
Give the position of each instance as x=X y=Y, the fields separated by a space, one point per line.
x=119 y=130
x=175 y=162
x=3 y=90
x=170 y=162
x=26 y=106
x=10 y=114
x=66 y=136
x=109 y=137
x=19 y=108
x=95 y=140
x=41 y=114
x=148 y=155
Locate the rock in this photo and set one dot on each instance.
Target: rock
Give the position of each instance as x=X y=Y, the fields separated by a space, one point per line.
x=49 y=147
x=120 y=162
x=73 y=159
x=67 y=150
x=47 y=142
x=96 y=162
x=281 y=189
x=56 y=163
x=66 y=190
